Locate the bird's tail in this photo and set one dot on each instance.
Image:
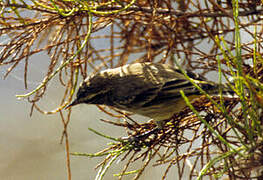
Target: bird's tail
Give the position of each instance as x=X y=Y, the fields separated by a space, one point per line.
x=214 y=89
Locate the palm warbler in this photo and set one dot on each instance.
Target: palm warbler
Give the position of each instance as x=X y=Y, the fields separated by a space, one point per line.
x=148 y=89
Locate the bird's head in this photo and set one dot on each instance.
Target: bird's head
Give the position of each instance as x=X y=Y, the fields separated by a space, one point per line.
x=92 y=91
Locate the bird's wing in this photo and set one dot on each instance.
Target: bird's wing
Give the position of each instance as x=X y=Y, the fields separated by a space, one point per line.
x=133 y=91
x=171 y=90
x=152 y=83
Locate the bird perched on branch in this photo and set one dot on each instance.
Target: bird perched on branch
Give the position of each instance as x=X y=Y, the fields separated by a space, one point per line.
x=149 y=89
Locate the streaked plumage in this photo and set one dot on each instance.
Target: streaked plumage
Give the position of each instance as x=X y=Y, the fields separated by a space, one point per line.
x=148 y=89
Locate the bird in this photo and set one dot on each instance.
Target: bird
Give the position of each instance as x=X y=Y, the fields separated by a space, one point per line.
x=145 y=88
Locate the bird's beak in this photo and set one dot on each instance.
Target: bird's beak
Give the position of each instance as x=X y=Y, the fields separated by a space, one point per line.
x=75 y=102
